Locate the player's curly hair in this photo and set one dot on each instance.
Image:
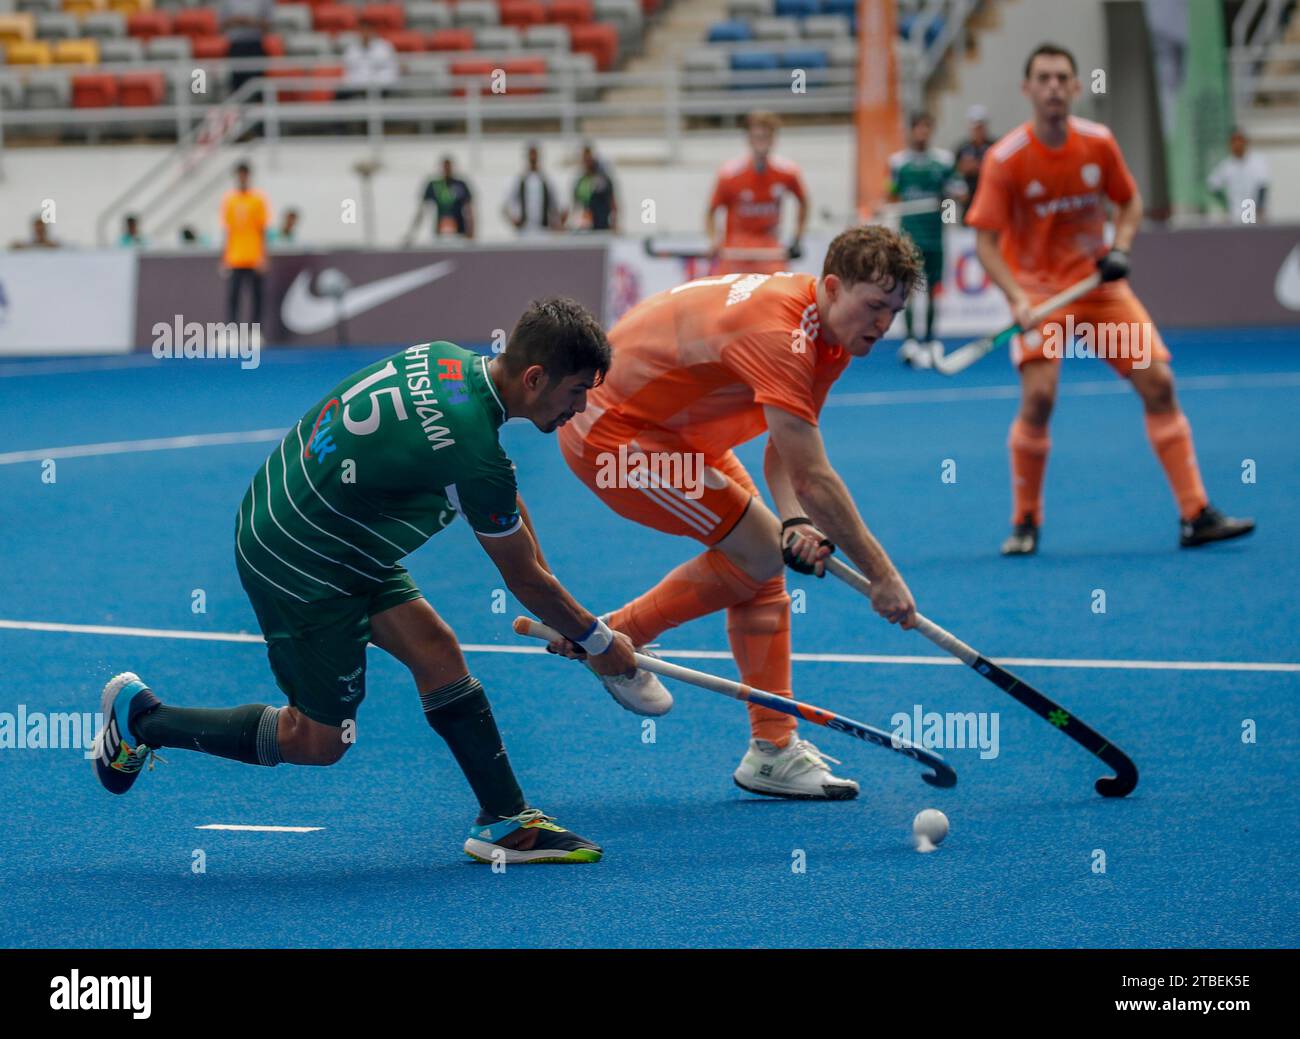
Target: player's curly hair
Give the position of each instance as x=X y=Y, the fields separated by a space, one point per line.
x=878 y=255
x=562 y=336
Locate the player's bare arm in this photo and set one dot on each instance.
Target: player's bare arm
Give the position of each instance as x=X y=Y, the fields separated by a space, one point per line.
x=528 y=523
x=821 y=492
x=990 y=257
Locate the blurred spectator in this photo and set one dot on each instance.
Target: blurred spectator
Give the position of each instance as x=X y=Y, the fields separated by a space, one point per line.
x=244 y=22
x=452 y=202
x=595 y=206
x=1240 y=178
x=287 y=232
x=970 y=153
x=368 y=60
x=750 y=190
x=40 y=238
x=531 y=206
x=191 y=238
x=244 y=215
x=131 y=236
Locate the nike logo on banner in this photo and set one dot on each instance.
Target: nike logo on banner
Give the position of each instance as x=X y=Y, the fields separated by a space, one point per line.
x=1287 y=286
x=304 y=313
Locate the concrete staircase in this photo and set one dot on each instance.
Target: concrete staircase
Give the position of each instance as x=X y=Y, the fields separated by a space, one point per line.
x=684 y=25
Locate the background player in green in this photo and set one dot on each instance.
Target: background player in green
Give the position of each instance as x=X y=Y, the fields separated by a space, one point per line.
x=923 y=174
x=387 y=459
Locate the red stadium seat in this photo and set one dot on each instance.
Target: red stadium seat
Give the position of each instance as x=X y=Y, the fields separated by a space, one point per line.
x=94 y=90
x=210 y=46
x=479 y=67
x=273 y=44
x=522 y=13
x=534 y=68
x=404 y=41
x=200 y=21
x=451 y=40
x=333 y=18
x=570 y=12
x=295 y=94
x=599 y=39
x=145 y=25
x=384 y=16
x=141 y=89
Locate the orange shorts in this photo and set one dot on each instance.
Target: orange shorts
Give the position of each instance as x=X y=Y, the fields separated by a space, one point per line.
x=655 y=478
x=1110 y=324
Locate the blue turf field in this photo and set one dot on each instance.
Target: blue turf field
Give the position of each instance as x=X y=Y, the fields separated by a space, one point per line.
x=1206 y=851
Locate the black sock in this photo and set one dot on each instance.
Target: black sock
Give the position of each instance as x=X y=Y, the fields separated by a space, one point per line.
x=461 y=715
x=246 y=734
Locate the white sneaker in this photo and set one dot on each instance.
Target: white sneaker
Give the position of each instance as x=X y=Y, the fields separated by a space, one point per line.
x=933 y=350
x=641 y=692
x=797 y=770
x=909 y=352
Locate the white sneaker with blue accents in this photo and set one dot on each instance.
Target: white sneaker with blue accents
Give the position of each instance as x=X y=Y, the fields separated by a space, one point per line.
x=798 y=770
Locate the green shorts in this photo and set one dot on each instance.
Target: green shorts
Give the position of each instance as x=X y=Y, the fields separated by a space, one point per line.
x=933 y=259
x=318 y=649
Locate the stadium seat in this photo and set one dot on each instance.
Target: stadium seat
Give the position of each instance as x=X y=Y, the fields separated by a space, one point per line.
x=404 y=41
x=705 y=68
x=843 y=54
x=273 y=45
x=848 y=8
x=17 y=27
x=37 y=6
x=104 y=25
x=167 y=48
x=380 y=17
x=329 y=18
x=210 y=47
x=473 y=13
x=82 y=6
x=141 y=89
x=126 y=8
x=57 y=27
x=121 y=50
x=826 y=27
x=307 y=45
x=295 y=17
x=812 y=60
x=547 y=38
x=748 y=10
x=497 y=38
x=28 y=52
x=729 y=32
x=428 y=15
x=776 y=30
x=579 y=69
x=76 y=52
x=570 y=12
x=795 y=8
x=200 y=21
x=94 y=90
x=148 y=24
x=624 y=14
x=753 y=62
x=532 y=68
x=47 y=88
x=451 y=40
x=598 y=40
x=522 y=13
x=479 y=68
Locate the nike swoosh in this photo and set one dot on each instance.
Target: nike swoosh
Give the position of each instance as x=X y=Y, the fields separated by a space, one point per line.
x=1287 y=285
x=304 y=313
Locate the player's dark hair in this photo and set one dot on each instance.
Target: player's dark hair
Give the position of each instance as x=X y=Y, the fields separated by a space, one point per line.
x=243 y=167
x=921 y=117
x=1050 y=50
x=562 y=336
x=875 y=254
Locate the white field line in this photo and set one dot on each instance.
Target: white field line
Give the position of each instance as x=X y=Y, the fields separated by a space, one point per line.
x=260 y=829
x=706 y=654
x=122 y=447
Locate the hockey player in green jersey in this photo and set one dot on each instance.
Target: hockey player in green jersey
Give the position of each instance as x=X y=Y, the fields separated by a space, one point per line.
x=384 y=461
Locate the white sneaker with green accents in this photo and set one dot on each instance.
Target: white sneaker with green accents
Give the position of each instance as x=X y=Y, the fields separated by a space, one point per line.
x=797 y=770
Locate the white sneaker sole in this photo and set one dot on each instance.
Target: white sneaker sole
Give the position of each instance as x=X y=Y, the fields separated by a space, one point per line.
x=489 y=853
x=844 y=790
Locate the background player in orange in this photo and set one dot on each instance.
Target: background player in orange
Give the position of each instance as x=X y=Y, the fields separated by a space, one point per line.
x=245 y=217
x=1040 y=211
x=698 y=370
x=750 y=189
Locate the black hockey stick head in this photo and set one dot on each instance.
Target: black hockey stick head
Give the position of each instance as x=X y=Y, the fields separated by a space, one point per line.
x=1126 y=774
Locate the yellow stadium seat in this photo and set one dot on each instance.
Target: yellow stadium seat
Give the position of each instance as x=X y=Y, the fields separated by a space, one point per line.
x=83 y=6
x=76 y=52
x=28 y=52
x=14 y=27
x=130 y=7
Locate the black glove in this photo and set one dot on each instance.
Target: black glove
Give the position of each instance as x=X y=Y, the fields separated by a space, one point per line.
x=793 y=561
x=795 y=250
x=1114 y=265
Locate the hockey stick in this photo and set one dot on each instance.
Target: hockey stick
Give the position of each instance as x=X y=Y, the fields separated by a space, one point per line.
x=964 y=356
x=942 y=776
x=1126 y=774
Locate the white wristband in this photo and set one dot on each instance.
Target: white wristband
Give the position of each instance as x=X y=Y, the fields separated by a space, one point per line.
x=598 y=638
